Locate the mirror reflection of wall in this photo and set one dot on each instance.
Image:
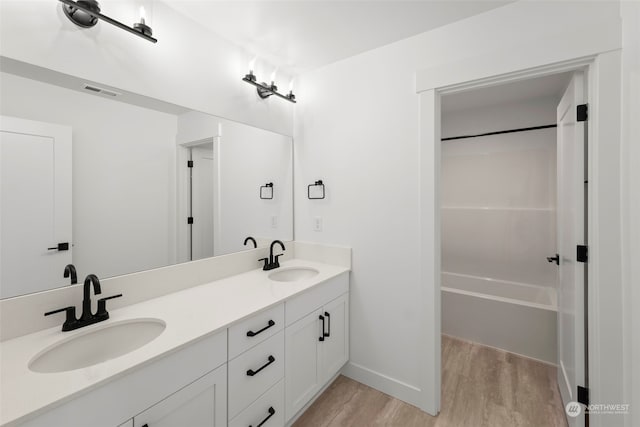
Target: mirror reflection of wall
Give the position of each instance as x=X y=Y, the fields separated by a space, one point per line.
x=131 y=191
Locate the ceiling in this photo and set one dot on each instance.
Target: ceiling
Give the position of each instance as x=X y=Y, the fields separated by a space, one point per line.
x=541 y=87
x=300 y=35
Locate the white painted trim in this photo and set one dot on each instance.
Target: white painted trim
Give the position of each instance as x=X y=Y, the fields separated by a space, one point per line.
x=429 y=340
x=398 y=389
x=606 y=366
x=524 y=56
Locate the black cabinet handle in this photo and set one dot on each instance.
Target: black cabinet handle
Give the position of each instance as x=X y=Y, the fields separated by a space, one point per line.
x=253 y=334
x=271 y=414
x=321 y=317
x=555 y=259
x=251 y=372
x=60 y=247
x=328 y=333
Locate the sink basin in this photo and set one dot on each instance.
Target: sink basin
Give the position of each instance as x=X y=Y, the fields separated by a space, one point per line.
x=293 y=274
x=97 y=345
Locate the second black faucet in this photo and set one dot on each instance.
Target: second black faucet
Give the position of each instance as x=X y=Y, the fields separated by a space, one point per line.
x=272 y=262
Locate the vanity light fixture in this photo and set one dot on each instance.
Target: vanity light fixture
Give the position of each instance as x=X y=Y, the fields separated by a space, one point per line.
x=265 y=90
x=86 y=13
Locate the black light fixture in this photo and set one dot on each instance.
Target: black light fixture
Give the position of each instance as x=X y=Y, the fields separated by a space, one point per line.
x=86 y=13
x=265 y=90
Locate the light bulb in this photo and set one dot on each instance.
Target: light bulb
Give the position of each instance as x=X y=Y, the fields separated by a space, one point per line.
x=273 y=76
x=143 y=15
x=291 y=86
x=252 y=64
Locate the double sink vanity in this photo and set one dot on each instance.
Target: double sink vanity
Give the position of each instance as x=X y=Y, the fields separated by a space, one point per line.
x=251 y=349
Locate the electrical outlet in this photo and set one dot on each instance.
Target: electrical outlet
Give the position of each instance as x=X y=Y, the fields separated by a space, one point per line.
x=317 y=223
x=274 y=221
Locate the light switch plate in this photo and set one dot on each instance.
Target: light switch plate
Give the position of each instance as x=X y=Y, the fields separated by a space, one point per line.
x=317 y=223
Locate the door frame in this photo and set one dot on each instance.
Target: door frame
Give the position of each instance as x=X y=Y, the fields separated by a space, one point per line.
x=600 y=59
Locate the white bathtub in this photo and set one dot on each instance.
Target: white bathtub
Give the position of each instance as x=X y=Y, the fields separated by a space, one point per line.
x=515 y=317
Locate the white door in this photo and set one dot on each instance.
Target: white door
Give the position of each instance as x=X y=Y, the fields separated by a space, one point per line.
x=302 y=370
x=571 y=232
x=202 y=202
x=335 y=347
x=202 y=403
x=35 y=205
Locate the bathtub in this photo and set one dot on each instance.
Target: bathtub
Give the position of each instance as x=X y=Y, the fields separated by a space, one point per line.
x=514 y=317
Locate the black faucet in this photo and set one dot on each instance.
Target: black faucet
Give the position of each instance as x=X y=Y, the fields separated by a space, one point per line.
x=250 y=239
x=272 y=262
x=87 y=317
x=70 y=269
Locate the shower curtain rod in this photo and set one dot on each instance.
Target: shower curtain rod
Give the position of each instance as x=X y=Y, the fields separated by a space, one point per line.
x=499 y=132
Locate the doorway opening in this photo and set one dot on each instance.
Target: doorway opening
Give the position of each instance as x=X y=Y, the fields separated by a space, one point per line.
x=513 y=197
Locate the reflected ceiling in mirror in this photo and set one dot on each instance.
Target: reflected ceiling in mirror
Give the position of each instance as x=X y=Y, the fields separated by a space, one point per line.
x=128 y=182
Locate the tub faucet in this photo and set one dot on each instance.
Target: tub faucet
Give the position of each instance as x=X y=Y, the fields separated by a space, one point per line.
x=272 y=262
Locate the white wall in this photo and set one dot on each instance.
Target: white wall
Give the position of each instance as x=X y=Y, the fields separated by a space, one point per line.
x=123 y=174
x=630 y=12
x=358 y=129
x=189 y=65
x=499 y=193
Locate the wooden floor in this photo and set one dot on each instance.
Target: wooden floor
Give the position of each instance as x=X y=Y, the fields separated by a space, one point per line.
x=481 y=386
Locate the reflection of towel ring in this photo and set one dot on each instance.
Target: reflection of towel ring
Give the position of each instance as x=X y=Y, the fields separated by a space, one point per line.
x=318 y=183
x=265 y=189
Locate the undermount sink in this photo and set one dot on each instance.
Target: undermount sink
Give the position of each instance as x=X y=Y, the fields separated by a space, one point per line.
x=293 y=274
x=97 y=345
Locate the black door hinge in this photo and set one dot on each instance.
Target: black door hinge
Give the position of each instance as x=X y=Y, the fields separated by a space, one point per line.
x=582 y=113
x=189 y=163
x=582 y=253
x=583 y=395
x=190 y=220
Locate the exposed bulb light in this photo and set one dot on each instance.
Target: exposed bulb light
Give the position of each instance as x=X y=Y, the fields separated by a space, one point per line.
x=142 y=26
x=290 y=95
x=251 y=77
x=273 y=80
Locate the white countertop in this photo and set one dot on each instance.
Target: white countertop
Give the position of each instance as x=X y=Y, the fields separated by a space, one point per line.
x=189 y=315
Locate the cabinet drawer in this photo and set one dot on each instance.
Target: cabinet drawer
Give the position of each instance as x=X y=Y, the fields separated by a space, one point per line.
x=255 y=329
x=269 y=408
x=254 y=372
x=303 y=304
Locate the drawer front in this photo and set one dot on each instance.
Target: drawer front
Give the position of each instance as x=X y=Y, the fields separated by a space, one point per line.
x=301 y=305
x=255 y=329
x=268 y=410
x=254 y=372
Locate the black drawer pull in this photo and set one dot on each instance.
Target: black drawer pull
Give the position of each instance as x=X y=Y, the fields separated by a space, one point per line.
x=253 y=334
x=251 y=372
x=328 y=333
x=271 y=414
x=321 y=317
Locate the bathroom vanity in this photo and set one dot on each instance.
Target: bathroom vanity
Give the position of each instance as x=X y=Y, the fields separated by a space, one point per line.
x=246 y=350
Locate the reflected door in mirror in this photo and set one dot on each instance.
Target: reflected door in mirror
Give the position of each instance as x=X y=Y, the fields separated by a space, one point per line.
x=35 y=217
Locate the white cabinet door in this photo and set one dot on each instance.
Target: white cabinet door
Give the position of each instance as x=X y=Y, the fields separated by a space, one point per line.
x=334 y=350
x=302 y=368
x=202 y=403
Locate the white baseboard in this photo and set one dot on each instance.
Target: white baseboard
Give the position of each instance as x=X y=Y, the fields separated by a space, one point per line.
x=391 y=386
